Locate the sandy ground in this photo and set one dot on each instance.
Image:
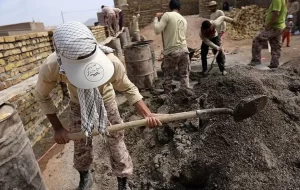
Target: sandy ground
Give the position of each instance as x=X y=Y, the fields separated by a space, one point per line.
x=57 y=165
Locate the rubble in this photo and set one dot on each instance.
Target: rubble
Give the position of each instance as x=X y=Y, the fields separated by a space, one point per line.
x=250 y=22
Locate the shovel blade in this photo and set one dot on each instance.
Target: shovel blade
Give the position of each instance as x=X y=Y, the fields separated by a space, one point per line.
x=249 y=107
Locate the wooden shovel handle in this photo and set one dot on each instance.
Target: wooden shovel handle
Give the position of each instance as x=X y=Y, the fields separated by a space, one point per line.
x=143 y=122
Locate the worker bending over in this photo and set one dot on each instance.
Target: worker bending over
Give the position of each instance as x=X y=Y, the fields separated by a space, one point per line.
x=113 y=17
x=274 y=26
x=173 y=26
x=210 y=38
x=216 y=13
x=92 y=77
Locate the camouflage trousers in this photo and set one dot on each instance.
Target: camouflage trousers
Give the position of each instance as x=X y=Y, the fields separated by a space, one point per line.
x=177 y=59
x=113 y=24
x=274 y=37
x=83 y=149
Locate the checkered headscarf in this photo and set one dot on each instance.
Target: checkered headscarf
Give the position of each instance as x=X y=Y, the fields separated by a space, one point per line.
x=73 y=40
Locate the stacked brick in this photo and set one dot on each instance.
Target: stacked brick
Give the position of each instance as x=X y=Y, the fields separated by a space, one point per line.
x=34 y=122
x=20 y=57
x=100 y=32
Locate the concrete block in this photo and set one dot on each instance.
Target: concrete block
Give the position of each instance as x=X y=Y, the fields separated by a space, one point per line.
x=9 y=38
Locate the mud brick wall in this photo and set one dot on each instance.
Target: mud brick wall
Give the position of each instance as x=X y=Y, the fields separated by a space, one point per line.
x=148 y=9
x=36 y=125
x=100 y=32
x=20 y=57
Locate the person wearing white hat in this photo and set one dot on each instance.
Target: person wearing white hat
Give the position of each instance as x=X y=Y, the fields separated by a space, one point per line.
x=92 y=72
x=287 y=33
x=216 y=13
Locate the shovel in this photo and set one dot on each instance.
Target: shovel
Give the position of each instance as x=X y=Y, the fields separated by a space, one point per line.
x=245 y=109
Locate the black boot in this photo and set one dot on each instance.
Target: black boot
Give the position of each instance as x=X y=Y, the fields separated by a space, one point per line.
x=86 y=180
x=122 y=183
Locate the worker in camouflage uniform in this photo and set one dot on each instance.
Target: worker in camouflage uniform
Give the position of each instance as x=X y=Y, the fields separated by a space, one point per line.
x=92 y=72
x=275 y=24
x=176 y=54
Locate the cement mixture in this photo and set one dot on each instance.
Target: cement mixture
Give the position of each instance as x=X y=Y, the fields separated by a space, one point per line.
x=215 y=152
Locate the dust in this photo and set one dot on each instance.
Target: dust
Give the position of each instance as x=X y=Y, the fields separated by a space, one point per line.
x=215 y=152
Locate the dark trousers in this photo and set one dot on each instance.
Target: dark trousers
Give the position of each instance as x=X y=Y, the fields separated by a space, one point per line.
x=220 y=58
x=121 y=17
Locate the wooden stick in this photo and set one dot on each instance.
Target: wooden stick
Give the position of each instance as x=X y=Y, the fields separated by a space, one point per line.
x=143 y=122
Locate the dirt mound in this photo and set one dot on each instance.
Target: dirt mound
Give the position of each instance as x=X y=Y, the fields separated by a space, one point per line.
x=215 y=152
x=250 y=22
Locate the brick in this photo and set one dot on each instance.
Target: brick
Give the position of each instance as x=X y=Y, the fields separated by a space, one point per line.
x=23 y=49
x=9 y=39
x=7 y=53
x=32 y=35
x=17 y=57
x=10 y=66
x=11 y=46
x=7 y=84
x=5 y=46
x=2 y=62
x=16 y=51
x=1 y=39
x=20 y=63
x=2 y=70
x=11 y=58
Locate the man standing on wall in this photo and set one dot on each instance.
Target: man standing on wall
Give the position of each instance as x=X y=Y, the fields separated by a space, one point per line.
x=216 y=13
x=92 y=77
x=275 y=24
x=111 y=19
x=176 y=54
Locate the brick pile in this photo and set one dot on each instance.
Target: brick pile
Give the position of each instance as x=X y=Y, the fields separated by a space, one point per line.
x=250 y=22
x=20 y=56
x=100 y=32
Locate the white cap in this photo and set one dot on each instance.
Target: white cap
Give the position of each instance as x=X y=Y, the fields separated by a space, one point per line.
x=290 y=16
x=74 y=40
x=212 y=3
x=90 y=72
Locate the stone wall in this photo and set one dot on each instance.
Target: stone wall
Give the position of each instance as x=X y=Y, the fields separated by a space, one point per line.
x=20 y=59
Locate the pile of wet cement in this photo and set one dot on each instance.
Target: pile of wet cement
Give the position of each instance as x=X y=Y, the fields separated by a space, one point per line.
x=215 y=152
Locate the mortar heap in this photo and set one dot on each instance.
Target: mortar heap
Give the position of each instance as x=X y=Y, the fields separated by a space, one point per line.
x=249 y=24
x=261 y=152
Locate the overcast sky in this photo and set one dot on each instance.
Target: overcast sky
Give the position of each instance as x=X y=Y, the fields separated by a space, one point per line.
x=48 y=11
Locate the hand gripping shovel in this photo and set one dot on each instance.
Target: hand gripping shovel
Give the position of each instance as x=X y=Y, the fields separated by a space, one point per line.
x=245 y=109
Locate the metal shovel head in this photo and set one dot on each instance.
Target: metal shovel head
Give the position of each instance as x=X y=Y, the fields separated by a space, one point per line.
x=249 y=107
